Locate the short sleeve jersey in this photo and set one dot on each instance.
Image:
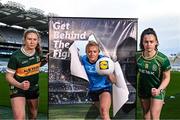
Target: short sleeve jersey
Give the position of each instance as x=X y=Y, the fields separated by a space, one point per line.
x=24 y=67
x=151 y=70
x=97 y=81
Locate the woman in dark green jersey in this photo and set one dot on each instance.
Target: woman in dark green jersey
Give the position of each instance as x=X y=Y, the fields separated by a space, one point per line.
x=154 y=75
x=23 y=75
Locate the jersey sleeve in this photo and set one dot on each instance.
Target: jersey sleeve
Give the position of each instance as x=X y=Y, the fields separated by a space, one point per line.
x=166 y=64
x=12 y=64
x=82 y=59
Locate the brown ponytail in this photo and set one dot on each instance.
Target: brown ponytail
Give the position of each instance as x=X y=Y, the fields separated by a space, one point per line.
x=38 y=49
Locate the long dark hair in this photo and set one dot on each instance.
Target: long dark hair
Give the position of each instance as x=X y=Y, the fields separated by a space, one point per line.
x=33 y=30
x=147 y=32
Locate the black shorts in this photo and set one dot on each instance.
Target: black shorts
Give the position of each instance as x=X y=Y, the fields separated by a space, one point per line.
x=31 y=93
x=94 y=95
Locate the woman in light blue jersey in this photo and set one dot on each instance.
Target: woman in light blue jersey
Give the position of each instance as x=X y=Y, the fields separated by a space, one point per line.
x=99 y=86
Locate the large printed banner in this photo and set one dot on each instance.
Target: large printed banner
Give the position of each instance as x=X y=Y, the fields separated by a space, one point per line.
x=68 y=82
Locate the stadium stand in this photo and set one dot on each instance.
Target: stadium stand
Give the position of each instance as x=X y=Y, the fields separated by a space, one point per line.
x=175 y=61
x=63 y=87
x=14 y=19
x=11 y=35
x=12 y=13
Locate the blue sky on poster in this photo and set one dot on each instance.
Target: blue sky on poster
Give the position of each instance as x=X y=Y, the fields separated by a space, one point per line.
x=162 y=15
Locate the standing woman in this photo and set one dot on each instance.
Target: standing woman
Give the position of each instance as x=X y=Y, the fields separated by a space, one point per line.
x=23 y=75
x=154 y=75
x=99 y=86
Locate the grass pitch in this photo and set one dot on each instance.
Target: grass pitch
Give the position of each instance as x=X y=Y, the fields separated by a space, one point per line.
x=171 y=109
x=77 y=111
x=5 y=109
x=84 y=112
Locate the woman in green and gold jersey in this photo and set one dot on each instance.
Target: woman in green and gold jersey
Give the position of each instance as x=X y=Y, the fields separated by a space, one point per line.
x=154 y=75
x=23 y=75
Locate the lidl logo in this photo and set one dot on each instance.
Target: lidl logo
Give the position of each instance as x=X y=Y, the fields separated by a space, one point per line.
x=103 y=65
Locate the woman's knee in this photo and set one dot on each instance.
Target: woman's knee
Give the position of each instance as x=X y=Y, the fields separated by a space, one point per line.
x=104 y=112
x=155 y=114
x=147 y=115
x=33 y=114
x=104 y=109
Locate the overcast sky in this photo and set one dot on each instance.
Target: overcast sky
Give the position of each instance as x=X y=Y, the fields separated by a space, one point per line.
x=162 y=15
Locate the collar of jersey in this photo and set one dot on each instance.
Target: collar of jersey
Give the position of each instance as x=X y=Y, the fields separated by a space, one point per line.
x=27 y=54
x=149 y=58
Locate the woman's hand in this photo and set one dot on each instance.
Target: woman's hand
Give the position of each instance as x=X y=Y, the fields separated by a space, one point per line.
x=47 y=56
x=112 y=78
x=25 y=85
x=155 y=92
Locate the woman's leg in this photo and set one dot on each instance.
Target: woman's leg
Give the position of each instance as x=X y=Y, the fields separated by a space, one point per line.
x=32 y=108
x=156 y=106
x=145 y=104
x=18 y=106
x=105 y=104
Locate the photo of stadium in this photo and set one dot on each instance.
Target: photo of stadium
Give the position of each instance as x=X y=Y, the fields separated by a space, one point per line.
x=67 y=89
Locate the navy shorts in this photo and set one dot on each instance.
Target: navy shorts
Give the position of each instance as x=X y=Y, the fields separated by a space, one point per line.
x=94 y=95
x=31 y=93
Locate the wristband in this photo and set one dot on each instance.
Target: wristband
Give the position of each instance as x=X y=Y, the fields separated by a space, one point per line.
x=161 y=90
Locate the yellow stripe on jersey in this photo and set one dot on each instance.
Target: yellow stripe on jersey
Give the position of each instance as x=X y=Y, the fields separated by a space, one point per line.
x=28 y=71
